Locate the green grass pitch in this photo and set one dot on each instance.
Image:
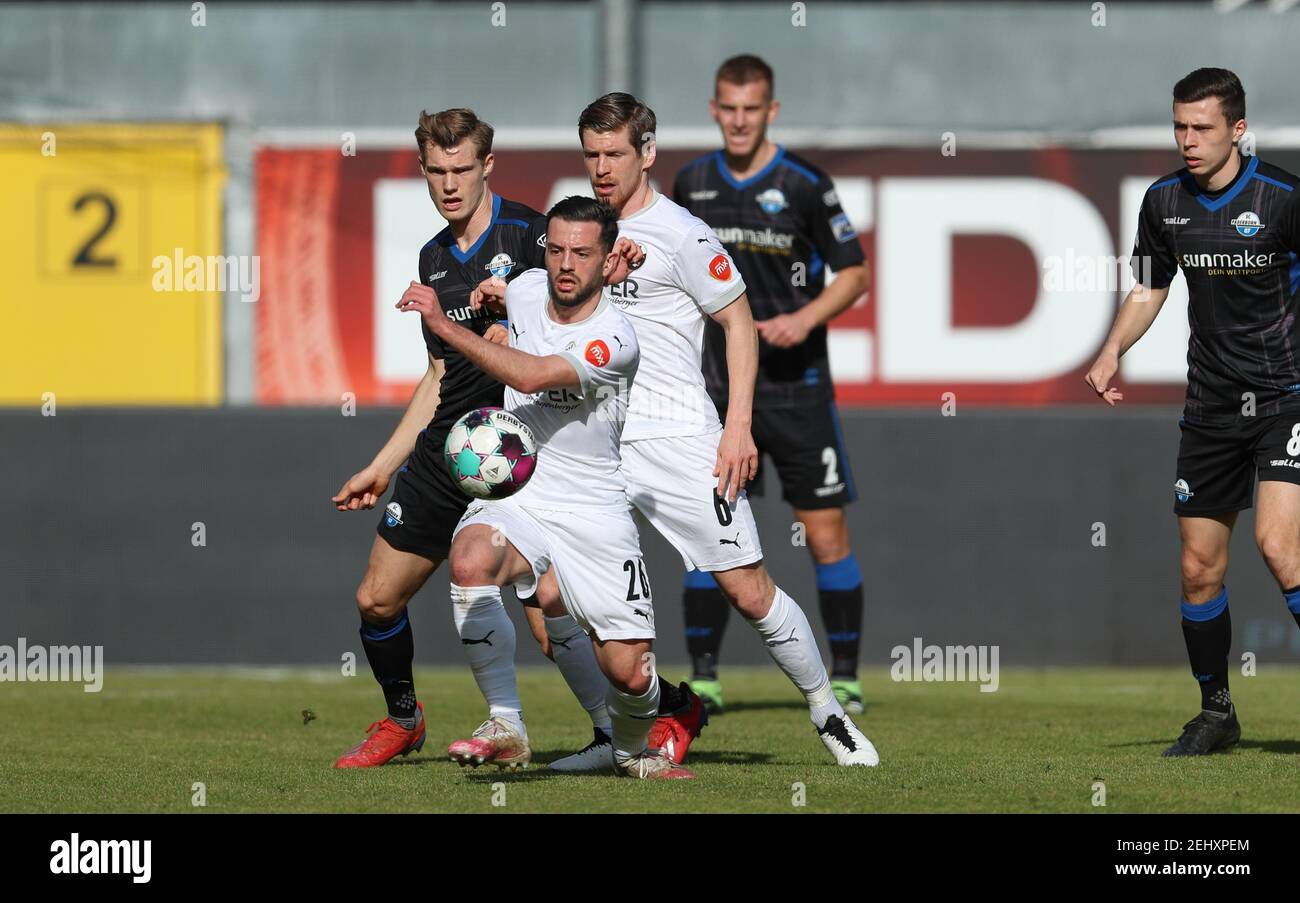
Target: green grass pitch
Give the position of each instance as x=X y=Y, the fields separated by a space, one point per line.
x=1038 y=744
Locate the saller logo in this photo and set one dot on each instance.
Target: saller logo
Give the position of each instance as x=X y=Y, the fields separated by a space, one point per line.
x=597 y=353
x=720 y=268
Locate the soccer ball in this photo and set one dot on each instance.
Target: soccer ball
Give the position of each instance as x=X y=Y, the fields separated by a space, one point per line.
x=490 y=453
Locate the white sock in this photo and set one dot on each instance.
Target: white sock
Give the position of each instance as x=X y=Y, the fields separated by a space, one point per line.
x=632 y=717
x=488 y=637
x=790 y=642
x=571 y=649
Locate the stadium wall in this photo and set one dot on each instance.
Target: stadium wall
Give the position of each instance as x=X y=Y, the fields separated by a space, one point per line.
x=1048 y=533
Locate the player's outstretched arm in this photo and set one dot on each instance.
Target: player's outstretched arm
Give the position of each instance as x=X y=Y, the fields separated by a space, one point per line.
x=789 y=330
x=521 y=371
x=1135 y=317
x=737 y=455
x=367 y=486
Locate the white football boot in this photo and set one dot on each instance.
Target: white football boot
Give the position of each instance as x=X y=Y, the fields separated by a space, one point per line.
x=653 y=764
x=847 y=744
x=495 y=742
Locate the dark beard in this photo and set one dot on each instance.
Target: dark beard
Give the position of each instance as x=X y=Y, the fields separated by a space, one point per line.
x=584 y=293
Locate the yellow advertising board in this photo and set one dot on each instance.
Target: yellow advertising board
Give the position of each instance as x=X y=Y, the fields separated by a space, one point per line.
x=92 y=309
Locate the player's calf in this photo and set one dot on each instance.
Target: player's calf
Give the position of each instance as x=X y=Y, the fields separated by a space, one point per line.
x=633 y=704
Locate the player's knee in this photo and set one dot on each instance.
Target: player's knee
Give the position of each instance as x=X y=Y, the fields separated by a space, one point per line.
x=752 y=594
x=635 y=682
x=828 y=542
x=1202 y=570
x=376 y=607
x=470 y=566
x=548 y=597
x=1279 y=549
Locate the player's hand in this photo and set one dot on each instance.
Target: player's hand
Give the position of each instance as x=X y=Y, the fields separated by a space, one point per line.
x=630 y=256
x=737 y=462
x=497 y=334
x=423 y=298
x=1099 y=377
x=783 y=330
x=363 y=490
x=490 y=293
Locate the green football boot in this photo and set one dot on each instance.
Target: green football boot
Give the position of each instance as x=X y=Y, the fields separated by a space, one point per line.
x=849 y=694
x=710 y=693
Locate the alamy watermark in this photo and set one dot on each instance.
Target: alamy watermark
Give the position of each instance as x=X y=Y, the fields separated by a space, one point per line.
x=22 y=663
x=946 y=663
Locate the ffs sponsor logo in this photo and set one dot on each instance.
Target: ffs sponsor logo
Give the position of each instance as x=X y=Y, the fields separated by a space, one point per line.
x=500 y=266
x=597 y=353
x=103 y=857
x=772 y=201
x=393 y=514
x=1247 y=224
x=1183 y=491
x=841 y=228
x=720 y=268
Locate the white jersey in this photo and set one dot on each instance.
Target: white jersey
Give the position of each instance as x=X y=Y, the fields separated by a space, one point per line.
x=687 y=274
x=577 y=432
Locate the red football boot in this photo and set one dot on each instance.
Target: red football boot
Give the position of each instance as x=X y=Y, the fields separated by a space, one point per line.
x=388 y=742
x=674 y=733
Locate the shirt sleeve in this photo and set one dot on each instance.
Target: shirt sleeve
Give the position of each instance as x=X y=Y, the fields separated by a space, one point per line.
x=1153 y=262
x=832 y=234
x=704 y=270
x=679 y=189
x=605 y=357
x=431 y=341
x=1289 y=228
x=534 y=251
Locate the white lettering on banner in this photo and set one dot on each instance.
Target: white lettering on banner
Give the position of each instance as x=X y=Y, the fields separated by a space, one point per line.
x=1161 y=356
x=919 y=218
x=913 y=339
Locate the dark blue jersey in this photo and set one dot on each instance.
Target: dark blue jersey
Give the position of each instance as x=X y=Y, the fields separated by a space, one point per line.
x=1237 y=248
x=514 y=241
x=782 y=227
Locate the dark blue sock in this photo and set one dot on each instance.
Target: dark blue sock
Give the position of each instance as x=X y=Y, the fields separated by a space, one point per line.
x=390 y=649
x=1292 y=597
x=1207 y=630
x=839 y=593
x=706 y=611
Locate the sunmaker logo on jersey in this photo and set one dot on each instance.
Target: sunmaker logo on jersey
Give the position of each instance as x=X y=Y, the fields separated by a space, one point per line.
x=460 y=314
x=756 y=238
x=1247 y=224
x=501 y=265
x=1244 y=260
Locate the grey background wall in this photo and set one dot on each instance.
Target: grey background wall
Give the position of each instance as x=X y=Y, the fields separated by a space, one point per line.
x=971 y=529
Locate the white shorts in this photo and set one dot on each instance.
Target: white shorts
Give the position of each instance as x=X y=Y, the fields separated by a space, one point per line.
x=670 y=480
x=597 y=559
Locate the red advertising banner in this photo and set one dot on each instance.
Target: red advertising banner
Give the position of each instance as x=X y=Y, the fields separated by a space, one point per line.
x=995 y=273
